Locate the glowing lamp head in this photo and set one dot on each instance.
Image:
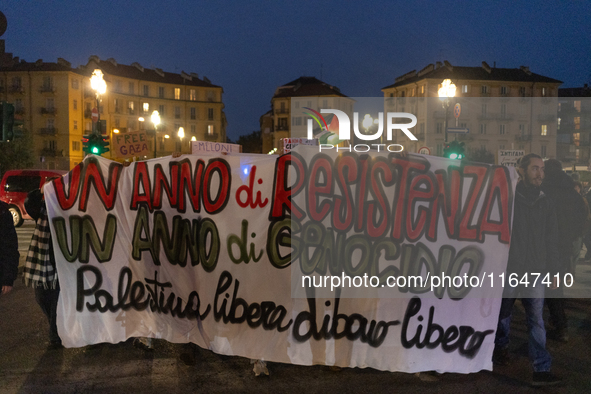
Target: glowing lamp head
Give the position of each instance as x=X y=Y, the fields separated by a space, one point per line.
x=155 y=118
x=97 y=82
x=447 y=89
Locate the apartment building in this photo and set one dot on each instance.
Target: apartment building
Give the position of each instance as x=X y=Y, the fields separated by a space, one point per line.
x=54 y=101
x=503 y=108
x=134 y=92
x=573 y=143
x=287 y=117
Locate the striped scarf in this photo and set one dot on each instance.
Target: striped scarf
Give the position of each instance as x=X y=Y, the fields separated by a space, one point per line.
x=39 y=271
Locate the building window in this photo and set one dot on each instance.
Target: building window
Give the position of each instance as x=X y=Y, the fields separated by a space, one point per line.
x=49 y=103
x=577 y=105
x=544 y=129
x=160 y=92
x=324 y=103
x=118 y=86
x=177 y=93
x=504 y=90
x=464 y=88
x=76 y=145
x=502 y=129
x=193 y=129
x=50 y=123
x=146 y=90
x=423 y=89
x=522 y=129
x=482 y=128
x=522 y=91
x=558 y=124
x=422 y=128
x=130 y=107
x=577 y=122
x=74 y=84
x=297 y=104
x=75 y=104
x=210 y=114
x=439 y=128
x=75 y=125
x=192 y=112
x=47 y=84
x=210 y=129
x=16 y=83
x=117 y=122
x=192 y=95
x=484 y=89
x=210 y=95
x=117 y=106
x=130 y=124
x=161 y=109
x=544 y=92
x=131 y=88
x=503 y=111
x=501 y=146
x=439 y=149
x=88 y=126
x=146 y=107
x=483 y=109
x=298 y=120
x=177 y=112
x=543 y=151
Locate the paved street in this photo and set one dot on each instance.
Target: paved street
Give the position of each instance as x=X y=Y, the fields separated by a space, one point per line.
x=27 y=367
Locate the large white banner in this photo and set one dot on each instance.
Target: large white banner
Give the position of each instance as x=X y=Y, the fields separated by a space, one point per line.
x=197 y=249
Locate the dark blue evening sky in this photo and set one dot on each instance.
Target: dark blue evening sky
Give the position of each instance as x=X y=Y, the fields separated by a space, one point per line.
x=250 y=47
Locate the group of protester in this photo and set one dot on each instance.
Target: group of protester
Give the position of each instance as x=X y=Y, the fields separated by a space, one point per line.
x=550 y=219
x=550 y=223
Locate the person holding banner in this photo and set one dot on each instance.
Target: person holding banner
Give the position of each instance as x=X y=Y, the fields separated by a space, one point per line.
x=40 y=272
x=8 y=250
x=572 y=215
x=534 y=249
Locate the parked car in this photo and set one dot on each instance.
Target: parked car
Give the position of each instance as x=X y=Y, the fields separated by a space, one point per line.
x=17 y=183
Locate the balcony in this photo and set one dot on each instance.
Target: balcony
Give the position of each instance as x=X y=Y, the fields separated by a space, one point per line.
x=47 y=89
x=48 y=152
x=282 y=128
x=16 y=89
x=48 y=111
x=48 y=131
x=282 y=111
x=547 y=118
x=523 y=138
x=211 y=137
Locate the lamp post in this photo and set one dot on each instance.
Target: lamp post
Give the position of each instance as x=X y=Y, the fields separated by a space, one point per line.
x=98 y=84
x=156 y=120
x=446 y=92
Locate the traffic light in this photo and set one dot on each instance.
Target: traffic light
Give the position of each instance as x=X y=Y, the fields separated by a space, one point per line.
x=454 y=150
x=95 y=143
x=7 y=121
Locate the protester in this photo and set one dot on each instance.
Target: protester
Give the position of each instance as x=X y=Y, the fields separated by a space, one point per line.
x=533 y=250
x=571 y=216
x=40 y=270
x=9 y=254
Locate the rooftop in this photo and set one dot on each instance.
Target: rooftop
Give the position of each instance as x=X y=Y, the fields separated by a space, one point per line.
x=307 y=87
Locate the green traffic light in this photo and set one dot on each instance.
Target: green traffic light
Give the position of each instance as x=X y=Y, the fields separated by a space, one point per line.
x=453 y=156
x=95 y=150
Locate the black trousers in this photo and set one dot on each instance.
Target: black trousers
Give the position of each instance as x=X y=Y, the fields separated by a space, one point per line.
x=555 y=303
x=47 y=300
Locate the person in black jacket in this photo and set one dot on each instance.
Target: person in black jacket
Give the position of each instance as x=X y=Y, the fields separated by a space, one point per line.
x=571 y=214
x=9 y=254
x=46 y=286
x=533 y=250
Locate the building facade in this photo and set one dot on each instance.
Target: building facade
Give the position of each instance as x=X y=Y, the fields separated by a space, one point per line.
x=502 y=108
x=54 y=102
x=573 y=143
x=287 y=109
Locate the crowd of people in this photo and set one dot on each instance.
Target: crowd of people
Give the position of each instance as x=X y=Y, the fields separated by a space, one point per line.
x=551 y=222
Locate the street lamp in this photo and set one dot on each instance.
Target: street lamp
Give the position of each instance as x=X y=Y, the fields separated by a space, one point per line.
x=446 y=92
x=98 y=84
x=156 y=120
x=181 y=135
